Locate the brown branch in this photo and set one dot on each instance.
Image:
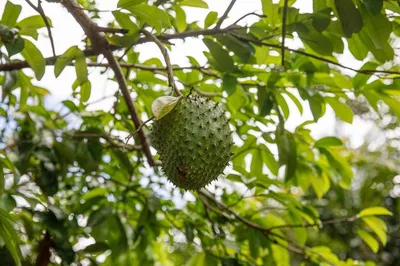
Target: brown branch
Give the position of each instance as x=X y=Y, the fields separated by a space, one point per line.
x=101 y=46
x=40 y=10
x=164 y=52
x=361 y=71
x=43 y=258
x=114 y=141
x=246 y=15
x=284 y=18
x=225 y=15
x=112 y=30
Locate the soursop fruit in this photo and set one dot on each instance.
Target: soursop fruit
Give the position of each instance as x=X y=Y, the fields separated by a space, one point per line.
x=194 y=142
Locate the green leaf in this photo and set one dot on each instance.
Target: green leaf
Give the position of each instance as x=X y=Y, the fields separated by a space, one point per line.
x=378 y=226
x=99 y=216
x=229 y=84
x=7 y=202
x=98 y=247
x=328 y=141
x=151 y=15
x=321 y=19
x=357 y=47
x=281 y=103
x=65 y=59
x=95 y=193
x=10 y=14
x=372 y=211
x=350 y=17
x=317 y=106
x=194 y=3
x=254 y=237
x=10 y=237
x=222 y=60
x=373 y=6
x=361 y=78
x=180 y=18
x=34 y=58
x=265 y=101
x=241 y=49
x=269 y=159
x=129 y=3
x=124 y=20
x=280 y=255
x=343 y=111
x=81 y=68
x=340 y=164
x=287 y=150
x=295 y=100
x=211 y=18
x=16 y=47
x=29 y=26
x=163 y=105
x=86 y=88
x=369 y=240
x=196 y=260
x=317 y=42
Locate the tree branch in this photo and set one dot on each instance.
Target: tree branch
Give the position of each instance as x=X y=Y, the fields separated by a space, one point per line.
x=112 y=30
x=43 y=258
x=361 y=71
x=225 y=15
x=164 y=52
x=40 y=10
x=101 y=46
x=284 y=18
x=297 y=248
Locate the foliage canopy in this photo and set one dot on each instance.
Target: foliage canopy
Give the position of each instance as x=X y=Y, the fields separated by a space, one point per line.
x=83 y=186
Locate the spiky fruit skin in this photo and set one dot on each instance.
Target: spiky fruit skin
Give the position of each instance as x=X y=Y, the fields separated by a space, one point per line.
x=194 y=142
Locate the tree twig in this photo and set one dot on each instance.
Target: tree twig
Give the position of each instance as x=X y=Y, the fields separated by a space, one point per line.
x=102 y=46
x=40 y=10
x=137 y=130
x=246 y=15
x=112 y=30
x=284 y=18
x=225 y=15
x=168 y=64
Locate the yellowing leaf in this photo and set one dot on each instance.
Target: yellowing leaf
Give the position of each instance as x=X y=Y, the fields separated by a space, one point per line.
x=372 y=211
x=163 y=105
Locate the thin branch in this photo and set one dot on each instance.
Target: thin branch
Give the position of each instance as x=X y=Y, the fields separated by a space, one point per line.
x=246 y=15
x=114 y=141
x=102 y=46
x=164 y=52
x=284 y=18
x=138 y=129
x=361 y=71
x=112 y=30
x=225 y=15
x=40 y=10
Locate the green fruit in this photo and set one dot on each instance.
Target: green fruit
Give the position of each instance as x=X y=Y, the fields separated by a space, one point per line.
x=194 y=142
